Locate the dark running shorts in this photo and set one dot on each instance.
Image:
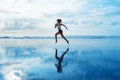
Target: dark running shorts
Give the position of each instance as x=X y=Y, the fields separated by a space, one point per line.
x=60 y=31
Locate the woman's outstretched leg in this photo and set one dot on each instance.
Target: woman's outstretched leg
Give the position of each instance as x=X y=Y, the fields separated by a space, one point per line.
x=56 y=37
x=64 y=38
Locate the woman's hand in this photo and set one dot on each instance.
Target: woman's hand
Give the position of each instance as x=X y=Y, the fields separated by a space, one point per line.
x=55 y=25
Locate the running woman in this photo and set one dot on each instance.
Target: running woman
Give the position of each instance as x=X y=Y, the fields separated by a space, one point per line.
x=58 y=25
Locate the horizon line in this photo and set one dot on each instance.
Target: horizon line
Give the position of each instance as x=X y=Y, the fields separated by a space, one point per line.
x=70 y=37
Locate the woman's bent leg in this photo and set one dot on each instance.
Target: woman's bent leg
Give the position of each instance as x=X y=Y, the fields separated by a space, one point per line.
x=56 y=37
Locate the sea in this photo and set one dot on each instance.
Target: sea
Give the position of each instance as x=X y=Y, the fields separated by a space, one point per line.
x=42 y=59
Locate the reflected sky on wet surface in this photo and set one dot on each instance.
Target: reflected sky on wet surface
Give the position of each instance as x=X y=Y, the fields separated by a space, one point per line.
x=83 y=59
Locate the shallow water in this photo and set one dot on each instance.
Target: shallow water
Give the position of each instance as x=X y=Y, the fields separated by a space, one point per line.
x=41 y=59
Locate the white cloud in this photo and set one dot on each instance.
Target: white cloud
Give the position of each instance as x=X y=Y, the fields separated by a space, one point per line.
x=2 y=25
x=77 y=14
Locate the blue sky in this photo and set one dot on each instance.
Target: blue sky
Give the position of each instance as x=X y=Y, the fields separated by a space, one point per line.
x=37 y=17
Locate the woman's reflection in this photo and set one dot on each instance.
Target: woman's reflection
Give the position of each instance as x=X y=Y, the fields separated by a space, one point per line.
x=60 y=59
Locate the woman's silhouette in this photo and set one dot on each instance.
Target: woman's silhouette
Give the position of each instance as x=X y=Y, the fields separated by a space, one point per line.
x=58 y=25
x=60 y=59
